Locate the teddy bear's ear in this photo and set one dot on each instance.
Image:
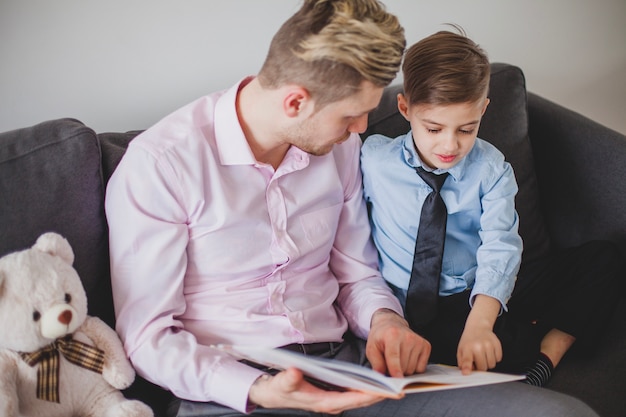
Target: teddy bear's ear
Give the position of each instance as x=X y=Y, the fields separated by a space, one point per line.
x=1 y=283
x=56 y=245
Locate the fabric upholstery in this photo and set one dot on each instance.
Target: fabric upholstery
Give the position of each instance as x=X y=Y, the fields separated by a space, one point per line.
x=114 y=146
x=50 y=180
x=583 y=174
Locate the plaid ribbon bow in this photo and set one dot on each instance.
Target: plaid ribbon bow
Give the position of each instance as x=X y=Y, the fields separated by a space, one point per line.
x=76 y=352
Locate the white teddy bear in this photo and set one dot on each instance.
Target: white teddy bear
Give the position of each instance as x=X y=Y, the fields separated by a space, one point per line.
x=54 y=359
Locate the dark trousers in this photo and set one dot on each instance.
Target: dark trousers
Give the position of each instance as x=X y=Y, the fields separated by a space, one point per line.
x=574 y=290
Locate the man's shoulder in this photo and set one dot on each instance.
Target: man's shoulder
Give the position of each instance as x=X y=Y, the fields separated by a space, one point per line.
x=177 y=127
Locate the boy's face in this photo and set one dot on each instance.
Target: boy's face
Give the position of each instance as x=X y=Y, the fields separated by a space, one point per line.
x=443 y=134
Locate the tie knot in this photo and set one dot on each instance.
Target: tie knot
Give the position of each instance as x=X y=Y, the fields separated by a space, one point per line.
x=435 y=181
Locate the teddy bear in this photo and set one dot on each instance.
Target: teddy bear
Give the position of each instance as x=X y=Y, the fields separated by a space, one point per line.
x=55 y=360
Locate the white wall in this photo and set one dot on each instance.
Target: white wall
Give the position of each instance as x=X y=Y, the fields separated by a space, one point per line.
x=123 y=64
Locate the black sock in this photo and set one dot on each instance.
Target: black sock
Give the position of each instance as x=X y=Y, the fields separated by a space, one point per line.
x=540 y=373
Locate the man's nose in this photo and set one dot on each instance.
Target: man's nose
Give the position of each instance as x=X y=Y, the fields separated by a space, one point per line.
x=358 y=125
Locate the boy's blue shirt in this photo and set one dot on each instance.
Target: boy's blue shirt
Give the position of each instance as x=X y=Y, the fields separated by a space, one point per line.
x=482 y=249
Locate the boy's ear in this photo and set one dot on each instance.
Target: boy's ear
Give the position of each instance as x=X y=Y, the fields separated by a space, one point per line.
x=403 y=106
x=296 y=100
x=487 y=101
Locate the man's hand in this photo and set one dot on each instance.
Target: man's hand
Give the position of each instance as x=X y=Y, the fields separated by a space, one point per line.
x=288 y=389
x=393 y=348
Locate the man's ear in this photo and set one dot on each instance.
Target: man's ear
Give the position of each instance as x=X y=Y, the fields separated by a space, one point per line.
x=403 y=106
x=296 y=100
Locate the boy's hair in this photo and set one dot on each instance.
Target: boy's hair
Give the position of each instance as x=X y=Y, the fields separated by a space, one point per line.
x=330 y=46
x=445 y=68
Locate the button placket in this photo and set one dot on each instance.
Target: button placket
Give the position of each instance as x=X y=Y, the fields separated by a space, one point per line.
x=282 y=244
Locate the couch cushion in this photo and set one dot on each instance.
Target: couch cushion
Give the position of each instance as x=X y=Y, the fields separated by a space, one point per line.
x=505 y=124
x=51 y=180
x=114 y=145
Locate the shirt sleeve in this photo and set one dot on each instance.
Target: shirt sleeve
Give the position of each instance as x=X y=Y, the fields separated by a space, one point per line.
x=148 y=240
x=499 y=255
x=354 y=259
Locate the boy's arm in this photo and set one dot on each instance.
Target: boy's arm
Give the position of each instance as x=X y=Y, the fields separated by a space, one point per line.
x=499 y=255
x=498 y=258
x=479 y=347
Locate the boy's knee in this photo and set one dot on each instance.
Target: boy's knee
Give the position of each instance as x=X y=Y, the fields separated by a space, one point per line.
x=606 y=254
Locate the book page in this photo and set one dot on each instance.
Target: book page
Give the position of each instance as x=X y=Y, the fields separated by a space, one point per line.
x=438 y=377
x=339 y=373
x=356 y=377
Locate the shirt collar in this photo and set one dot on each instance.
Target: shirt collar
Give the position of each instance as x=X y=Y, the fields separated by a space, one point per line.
x=413 y=159
x=232 y=146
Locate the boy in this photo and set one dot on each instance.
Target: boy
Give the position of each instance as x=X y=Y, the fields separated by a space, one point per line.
x=446 y=81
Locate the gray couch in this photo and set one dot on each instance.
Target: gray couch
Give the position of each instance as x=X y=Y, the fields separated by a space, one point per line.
x=570 y=172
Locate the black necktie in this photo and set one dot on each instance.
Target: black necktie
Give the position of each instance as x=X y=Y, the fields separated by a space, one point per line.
x=423 y=292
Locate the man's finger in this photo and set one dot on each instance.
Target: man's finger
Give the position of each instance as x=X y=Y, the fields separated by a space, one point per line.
x=377 y=360
x=393 y=360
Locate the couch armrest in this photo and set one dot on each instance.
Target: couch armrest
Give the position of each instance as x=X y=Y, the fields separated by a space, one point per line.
x=581 y=171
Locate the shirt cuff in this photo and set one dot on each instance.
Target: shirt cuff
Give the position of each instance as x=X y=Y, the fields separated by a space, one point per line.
x=234 y=394
x=369 y=313
x=475 y=293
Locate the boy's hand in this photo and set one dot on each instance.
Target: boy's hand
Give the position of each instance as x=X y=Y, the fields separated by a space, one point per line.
x=479 y=347
x=393 y=348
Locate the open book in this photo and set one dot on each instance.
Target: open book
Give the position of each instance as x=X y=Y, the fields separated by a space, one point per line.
x=348 y=376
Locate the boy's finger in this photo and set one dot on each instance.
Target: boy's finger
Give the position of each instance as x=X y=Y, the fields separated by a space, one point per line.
x=465 y=363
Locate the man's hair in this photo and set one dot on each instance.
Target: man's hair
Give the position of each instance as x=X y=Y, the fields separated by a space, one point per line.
x=445 y=68
x=330 y=47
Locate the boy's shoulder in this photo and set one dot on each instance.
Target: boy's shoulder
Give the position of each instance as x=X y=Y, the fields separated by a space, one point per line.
x=381 y=144
x=485 y=151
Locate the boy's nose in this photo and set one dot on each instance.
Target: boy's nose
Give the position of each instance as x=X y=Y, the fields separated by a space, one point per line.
x=451 y=142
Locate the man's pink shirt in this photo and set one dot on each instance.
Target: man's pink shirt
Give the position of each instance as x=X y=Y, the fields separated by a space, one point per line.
x=210 y=246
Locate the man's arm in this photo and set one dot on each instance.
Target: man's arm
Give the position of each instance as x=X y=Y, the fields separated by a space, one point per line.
x=148 y=241
x=354 y=260
x=372 y=309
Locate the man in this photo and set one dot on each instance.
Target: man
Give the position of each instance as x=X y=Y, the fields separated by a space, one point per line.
x=239 y=219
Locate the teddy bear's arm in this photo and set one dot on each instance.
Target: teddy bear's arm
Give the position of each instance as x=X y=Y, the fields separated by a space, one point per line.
x=8 y=384
x=118 y=370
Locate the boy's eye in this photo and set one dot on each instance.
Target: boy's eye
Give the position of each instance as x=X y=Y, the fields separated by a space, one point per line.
x=467 y=132
x=433 y=130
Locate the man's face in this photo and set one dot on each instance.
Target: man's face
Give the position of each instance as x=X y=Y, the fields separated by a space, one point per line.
x=443 y=134
x=333 y=123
